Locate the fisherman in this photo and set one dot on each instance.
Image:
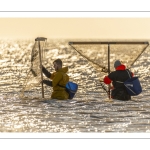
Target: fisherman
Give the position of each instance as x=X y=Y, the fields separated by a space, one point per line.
x=117 y=77
x=58 y=78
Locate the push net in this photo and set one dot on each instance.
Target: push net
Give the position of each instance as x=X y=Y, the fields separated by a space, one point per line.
x=102 y=55
x=33 y=78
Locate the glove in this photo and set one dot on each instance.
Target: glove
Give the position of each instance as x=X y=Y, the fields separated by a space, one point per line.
x=47 y=82
x=47 y=74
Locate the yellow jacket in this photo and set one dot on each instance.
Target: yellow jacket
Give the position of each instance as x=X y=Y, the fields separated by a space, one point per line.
x=59 y=77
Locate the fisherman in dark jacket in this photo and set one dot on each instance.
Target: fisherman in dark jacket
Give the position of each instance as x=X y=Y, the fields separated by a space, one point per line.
x=117 y=78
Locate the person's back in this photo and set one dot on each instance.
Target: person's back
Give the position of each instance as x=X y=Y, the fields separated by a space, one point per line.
x=59 y=80
x=117 y=78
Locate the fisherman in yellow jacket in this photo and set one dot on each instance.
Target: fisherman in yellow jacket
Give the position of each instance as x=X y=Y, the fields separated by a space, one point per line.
x=58 y=78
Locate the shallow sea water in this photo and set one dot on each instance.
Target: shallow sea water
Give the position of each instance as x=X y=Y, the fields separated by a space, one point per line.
x=90 y=111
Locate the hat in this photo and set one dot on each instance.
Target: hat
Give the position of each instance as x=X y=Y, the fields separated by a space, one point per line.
x=117 y=63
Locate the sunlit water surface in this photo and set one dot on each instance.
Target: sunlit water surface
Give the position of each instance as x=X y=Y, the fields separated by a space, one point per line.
x=89 y=111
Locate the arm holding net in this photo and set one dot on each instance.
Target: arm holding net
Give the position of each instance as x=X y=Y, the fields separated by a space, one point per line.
x=47 y=82
x=47 y=74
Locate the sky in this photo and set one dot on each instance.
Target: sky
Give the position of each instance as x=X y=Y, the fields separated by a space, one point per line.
x=75 y=27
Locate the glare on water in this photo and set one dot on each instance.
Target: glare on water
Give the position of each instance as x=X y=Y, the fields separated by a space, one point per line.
x=89 y=111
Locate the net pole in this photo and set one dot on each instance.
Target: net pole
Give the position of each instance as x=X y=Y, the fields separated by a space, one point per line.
x=41 y=69
x=109 y=68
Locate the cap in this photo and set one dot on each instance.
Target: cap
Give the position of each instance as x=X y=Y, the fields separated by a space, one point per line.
x=117 y=63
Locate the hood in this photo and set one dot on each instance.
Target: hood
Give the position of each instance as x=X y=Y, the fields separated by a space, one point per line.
x=121 y=67
x=65 y=70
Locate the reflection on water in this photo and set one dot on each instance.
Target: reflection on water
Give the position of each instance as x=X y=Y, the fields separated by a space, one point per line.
x=89 y=111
